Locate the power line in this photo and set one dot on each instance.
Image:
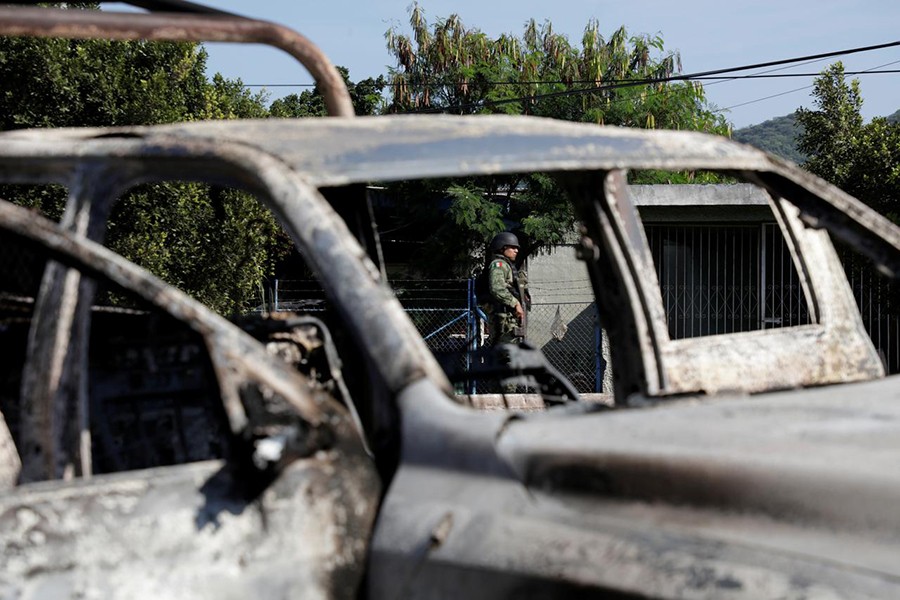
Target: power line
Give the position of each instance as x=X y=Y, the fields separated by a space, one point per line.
x=806 y=87
x=799 y=59
x=615 y=81
x=787 y=75
x=704 y=75
x=799 y=89
x=639 y=82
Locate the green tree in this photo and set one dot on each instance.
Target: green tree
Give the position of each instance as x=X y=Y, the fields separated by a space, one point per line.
x=448 y=67
x=217 y=245
x=832 y=133
x=365 y=96
x=861 y=158
x=617 y=81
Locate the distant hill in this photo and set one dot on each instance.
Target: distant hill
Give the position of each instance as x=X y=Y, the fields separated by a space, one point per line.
x=778 y=136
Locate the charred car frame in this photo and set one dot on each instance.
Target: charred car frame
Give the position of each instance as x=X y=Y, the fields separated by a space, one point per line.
x=758 y=464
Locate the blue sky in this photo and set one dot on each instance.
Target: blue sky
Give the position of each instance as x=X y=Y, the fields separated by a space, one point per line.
x=708 y=34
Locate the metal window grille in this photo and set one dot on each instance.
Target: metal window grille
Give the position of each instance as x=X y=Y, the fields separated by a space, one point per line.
x=784 y=303
x=725 y=279
x=878 y=300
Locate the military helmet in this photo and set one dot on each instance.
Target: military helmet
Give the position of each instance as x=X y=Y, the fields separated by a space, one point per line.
x=502 y=240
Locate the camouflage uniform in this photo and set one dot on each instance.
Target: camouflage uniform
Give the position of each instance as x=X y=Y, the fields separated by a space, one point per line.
x=506 y=290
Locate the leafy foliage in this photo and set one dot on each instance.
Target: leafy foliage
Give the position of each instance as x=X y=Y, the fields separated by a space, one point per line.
x=862 y=159
x=468 y=211
x=449 y=67
x=615 y=81
x=365 y=96
x=216 y=245
x=832 y=132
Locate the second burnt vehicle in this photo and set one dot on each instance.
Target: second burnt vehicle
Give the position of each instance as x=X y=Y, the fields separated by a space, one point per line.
x=745 y=465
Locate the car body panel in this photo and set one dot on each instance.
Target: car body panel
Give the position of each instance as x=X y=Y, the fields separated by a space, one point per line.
x=188 y=532
x=207 y=530
x=791 y=494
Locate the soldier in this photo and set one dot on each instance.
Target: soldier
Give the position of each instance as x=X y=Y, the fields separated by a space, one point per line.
x=508 y=292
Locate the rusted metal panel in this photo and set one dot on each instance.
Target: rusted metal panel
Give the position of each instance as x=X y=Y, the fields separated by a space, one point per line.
x=331 y=152
x=632 y=252
x=554 y=545
x=54 y=422
x=823 y=457
x=53 y=381
x=823 y=205
x=615 y=275
x=174 y=27
x=199 y=531
x=242 y=364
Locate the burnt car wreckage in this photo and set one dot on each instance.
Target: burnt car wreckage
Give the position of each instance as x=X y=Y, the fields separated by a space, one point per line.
x=749 y=465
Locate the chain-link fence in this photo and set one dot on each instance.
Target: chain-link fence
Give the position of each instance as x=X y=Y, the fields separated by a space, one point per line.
x=571 y=340
x=447 y=316
x=446 y=313
x=568 y=334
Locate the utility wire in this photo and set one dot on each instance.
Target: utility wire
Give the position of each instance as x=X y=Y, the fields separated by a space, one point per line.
x=799 y=89
x=799 y=59
x=715 y=79
x=767 y=71
x=806 y=87
x=787 y=75
x=638 y=82
x=704 y=75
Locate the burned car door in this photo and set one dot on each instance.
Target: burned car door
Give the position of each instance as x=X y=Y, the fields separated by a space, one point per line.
x=283 y=505
x=269 y=516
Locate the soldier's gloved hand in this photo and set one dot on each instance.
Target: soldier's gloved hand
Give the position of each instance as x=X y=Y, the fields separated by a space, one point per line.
x=520 y=314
